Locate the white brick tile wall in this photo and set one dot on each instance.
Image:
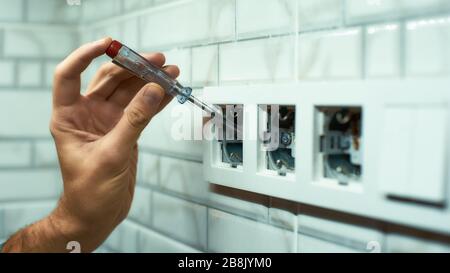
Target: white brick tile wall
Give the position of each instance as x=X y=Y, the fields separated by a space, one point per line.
x=141 y=206
x=52 y=11
x=398 y=243
x=175 y=131
x=427 y=52
x=182 y=58
x=211 y=20
x=229 y=233
x=262 y=17
x=369 y=10
x=345 y=233
x=383 y=51
x=15 y=154
x=360 y=10
x=130 y=33
x=7 y=72
x=45 y=153
x=215 y=42
x=50 y=67
x=20 y=215
x=257 y=60
x=11 y=11
x=32 y=122
x=124 y=238
x=282 y=218
x=239 y=206
x=153 y=242
x=330 y=55
x=205 y=65
x=30 y=74
x=183 y=177
x=39 y=43
x=170 y=213
x=100 y=9
x=308 y=244
x=29 y=184
x=148 y=170
x=314 y=14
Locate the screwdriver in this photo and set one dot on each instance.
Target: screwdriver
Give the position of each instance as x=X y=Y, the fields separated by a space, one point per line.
x=128 y=59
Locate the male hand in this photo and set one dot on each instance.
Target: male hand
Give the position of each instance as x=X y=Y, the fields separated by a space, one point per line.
x=96 y=139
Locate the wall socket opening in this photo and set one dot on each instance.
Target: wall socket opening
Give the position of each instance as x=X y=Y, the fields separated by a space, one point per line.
x=230 y=137
x=340 y=144
x=277 y=130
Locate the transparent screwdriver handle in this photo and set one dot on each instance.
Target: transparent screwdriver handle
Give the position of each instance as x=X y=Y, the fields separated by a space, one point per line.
x=139 y=66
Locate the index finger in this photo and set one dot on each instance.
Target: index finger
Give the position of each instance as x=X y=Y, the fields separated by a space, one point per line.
x=67 y=81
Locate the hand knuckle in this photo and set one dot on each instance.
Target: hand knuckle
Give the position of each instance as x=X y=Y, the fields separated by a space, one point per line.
x=137 y=118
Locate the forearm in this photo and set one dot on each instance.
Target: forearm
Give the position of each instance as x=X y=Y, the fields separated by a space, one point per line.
x=42 y=236
x=52 y=234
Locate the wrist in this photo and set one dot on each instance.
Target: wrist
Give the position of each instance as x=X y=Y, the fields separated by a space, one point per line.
x=69 y=227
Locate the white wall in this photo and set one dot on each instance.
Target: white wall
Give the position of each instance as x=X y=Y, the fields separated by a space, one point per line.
x=215 y=42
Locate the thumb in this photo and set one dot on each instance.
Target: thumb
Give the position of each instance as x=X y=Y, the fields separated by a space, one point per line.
x=137 y=115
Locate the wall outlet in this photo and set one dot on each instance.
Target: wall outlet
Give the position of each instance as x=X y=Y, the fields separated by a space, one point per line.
x=277 y=139
x=371 y=148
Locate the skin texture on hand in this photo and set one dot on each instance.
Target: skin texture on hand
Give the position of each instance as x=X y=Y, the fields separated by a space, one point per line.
x=96 y=139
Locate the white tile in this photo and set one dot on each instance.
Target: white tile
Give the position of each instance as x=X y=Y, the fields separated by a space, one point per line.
x=7 y=71
x=132 y=5
x=45 y=153
x=211 y=20
x=360 y=10
x=171 y=213
x=348 y=234
x=262 y=17
x=11 y=10
x=113 y=30
x=427 y=51
x=229 y=233
x=181 y=58
x=176 y=130
x=39 y=43
x=239 y=206
x=124 y=238
x=330 y=55
x=53 y=11
x=29 y=184
x=399 y=243
x=183 y=177
x=49 y=72
x=148 y=168
x=153 y=242
x=15 y=153
x=308 y=244
x=30 y=74
x=141 y=206
x=205 y=65
x=33 y=122
x=264 y=60
x=383 y=51
x=130 y=33
x=95 y=10
x=319 y=13
x=20 y=215
x=371 y=10
x=283 y=218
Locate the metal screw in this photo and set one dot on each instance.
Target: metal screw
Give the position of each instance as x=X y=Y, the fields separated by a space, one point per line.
x=286 y=139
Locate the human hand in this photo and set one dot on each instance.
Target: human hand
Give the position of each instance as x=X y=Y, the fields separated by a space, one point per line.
x=96 y=138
